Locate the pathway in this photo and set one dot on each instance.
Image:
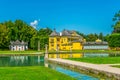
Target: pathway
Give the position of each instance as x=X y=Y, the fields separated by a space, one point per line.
x=98 y=67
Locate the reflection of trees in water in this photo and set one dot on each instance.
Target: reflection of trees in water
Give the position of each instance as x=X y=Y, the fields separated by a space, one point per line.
x=22 y=61
x=4 y=61
x=36 y=60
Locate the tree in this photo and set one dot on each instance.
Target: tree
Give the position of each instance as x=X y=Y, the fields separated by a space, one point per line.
x=91 y=37
x=114 y=40
x=42 y=37
x=101 y=37
x=19 y=30
x=116 y=25
x=3 y=37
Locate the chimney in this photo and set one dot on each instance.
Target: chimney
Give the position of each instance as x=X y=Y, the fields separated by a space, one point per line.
x=60 y=33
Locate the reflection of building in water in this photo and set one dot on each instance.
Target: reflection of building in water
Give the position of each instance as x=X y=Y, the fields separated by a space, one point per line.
x=66 y=55
x=46 y=63
x=18 y=58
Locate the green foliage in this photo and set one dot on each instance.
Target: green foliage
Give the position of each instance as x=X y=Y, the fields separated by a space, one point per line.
x=91 y=37
x=114 y=40
x=31 y=73
x=118 y=66
x=42 y=37
x=101 y=37
x=116 y=25
x=3 y=36
x=19 y=30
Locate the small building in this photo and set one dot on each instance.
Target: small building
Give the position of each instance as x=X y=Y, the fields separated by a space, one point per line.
x=18 y=46
x=98 y=44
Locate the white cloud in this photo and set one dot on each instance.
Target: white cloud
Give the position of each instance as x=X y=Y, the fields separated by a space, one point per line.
x=34 y=24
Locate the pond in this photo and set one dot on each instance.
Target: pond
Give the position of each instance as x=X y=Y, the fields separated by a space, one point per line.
x=77 y=55
x=13 y=61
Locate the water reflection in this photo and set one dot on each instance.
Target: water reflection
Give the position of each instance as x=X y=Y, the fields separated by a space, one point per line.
x=39 y=61
x=77 y=55
x=21 y=60
x=66 y=55
x=96 y=54
x=77 y=75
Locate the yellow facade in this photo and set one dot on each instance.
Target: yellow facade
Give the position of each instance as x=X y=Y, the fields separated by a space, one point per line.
x=67 y=41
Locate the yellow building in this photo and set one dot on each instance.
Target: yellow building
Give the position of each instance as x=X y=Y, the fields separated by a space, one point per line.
x=65 y=40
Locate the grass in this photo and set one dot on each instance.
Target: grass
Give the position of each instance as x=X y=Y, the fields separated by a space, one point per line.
x=31 y=73
x=98 y=60
x=118 y=66
x=19 y=52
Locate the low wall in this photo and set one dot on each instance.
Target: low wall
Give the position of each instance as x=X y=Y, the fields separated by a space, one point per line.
x=87 y=70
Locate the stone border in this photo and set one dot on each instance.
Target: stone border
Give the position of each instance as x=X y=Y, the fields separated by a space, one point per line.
x=110 y=75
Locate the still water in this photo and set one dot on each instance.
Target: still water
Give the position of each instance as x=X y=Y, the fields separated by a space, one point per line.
x=77 y=55
x=12 y=61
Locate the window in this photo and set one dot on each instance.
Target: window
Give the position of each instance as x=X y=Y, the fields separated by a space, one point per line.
x=58 y=39
x=58 y=45
x=52 y=40
x=52 y=45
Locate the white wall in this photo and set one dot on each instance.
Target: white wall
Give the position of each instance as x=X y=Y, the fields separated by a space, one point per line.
x=96 y=47
x=18 y=48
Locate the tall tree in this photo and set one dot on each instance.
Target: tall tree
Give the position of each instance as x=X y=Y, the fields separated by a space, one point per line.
x=3 y=37
x=116 y=25
x=101 y=37
x=114 y=38
x=42 y=37
x=91 y=37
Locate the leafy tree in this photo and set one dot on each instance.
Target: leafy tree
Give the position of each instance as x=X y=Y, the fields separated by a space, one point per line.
x=114 y=40
x=116 y=25
x=91 y=37
x=101 y=37
x=3 y=37
x=42 y=37
x=83 y=35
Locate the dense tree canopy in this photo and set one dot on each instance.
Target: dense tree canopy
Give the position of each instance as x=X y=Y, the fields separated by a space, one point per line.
x=114 y=38
x=3 y=36
x=19 y=30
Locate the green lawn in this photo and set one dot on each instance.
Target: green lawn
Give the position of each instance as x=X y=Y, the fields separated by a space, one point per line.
x=19 y=52
x=118 y=66
x=31 y=73
x=98 y=60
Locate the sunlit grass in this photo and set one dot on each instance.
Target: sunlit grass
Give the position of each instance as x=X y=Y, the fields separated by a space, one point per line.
x=31 y=73
x=98 y=60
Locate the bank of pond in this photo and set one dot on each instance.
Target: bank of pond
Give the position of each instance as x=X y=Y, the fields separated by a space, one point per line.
x=37 y=61
x=81 y=55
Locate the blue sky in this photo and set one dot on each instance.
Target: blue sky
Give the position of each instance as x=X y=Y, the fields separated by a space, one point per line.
x=86 y=16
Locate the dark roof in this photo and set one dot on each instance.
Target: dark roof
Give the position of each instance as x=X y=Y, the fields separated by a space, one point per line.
x=95 y=43
x=54 y=33
x=65 y=33
x=17 y=42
